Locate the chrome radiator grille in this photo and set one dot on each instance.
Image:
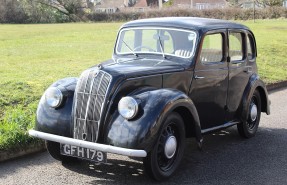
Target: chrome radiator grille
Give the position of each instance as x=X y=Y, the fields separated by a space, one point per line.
x=90 y=98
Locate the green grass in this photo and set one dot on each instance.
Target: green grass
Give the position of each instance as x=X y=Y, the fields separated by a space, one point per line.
x=271 y=41
x=34 y=56
x=14 y=127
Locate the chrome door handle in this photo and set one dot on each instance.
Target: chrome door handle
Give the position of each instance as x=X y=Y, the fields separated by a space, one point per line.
x=248 y=70
x=199 y=77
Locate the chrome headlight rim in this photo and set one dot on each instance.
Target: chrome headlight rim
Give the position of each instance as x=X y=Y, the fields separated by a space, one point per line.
x=56 y=99
x=124 y=110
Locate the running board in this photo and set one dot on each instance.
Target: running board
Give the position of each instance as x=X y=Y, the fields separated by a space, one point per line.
x=220 y=127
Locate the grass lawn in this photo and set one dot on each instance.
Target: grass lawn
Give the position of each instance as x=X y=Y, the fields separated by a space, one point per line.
x=34 y=56
x=271 y=43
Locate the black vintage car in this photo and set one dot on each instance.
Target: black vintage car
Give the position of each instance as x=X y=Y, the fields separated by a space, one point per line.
x=168 y=79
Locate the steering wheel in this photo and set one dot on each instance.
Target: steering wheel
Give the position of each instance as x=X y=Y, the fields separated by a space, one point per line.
x=145 y=47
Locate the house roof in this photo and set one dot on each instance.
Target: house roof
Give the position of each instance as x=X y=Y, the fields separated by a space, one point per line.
x=175 y=2
x=195 y=23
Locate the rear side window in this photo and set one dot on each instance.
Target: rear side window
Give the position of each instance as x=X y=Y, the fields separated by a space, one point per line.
x=250 y=47
x=235 y=46
x=212 y=48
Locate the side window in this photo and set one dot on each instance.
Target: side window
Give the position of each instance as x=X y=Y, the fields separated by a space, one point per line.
x=235 y=46
x=212 y=48
x=250 y=48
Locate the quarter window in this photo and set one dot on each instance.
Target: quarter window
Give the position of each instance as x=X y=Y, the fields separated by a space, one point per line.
x=235 y=46
x=212 y=48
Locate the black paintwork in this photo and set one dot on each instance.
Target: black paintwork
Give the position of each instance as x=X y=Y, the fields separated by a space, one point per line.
x=140 y=132
x=135 y=67
x=165 y=85
x=193 y=23
x=57 y=121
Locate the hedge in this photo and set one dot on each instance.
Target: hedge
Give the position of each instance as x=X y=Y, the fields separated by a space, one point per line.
x=226 y=13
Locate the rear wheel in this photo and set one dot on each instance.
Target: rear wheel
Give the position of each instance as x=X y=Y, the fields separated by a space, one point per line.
x=54 y=150
x=249 y=128
x=168 y=151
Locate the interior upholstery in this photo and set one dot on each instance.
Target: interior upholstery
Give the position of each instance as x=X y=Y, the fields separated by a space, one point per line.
x=182 y=53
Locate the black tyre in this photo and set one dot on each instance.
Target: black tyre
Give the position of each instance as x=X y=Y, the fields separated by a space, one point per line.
x=163 y=160
x=54 y=150
x=249 y=128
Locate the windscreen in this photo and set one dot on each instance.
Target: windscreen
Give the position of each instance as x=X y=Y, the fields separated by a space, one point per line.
x=162 y=41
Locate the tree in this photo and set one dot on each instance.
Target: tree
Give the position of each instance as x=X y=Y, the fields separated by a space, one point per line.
x=74 y=9
x=28 y=11
x=13 y=11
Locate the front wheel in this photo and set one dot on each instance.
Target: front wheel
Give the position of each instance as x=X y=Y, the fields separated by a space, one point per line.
x=168 y=151
x=249 y=128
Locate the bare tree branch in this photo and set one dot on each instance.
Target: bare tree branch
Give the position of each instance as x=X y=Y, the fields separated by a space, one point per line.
x=72 y=8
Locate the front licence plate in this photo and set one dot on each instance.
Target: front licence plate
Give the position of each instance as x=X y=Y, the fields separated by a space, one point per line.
x=83 y=153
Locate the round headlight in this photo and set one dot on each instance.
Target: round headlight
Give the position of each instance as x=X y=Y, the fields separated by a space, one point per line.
x=53 y=97
x=128 y=107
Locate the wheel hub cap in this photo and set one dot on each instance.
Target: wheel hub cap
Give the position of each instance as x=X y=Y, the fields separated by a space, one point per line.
x=170 y=147
x=253 y=112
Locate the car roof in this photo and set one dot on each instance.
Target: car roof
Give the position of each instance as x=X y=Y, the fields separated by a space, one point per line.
x=195 y=23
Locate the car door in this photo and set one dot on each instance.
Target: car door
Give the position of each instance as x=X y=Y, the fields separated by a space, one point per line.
x=239 y=68
x=210 y=82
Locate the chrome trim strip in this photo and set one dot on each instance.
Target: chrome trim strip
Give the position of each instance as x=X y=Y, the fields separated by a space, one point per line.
x=229 y=124
x=83 y=91
x=103 y=103
x=89 y=75
x=87 y=144
x=87 y=107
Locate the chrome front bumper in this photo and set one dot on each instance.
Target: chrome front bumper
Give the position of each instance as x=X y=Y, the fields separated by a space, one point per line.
x=87 y=144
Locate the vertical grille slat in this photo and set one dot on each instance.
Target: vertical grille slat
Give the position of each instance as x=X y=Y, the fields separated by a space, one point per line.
x=90 y=98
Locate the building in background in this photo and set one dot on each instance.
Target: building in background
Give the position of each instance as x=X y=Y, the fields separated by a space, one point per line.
x=141 y=6
x=110 y=6
x=200 y=4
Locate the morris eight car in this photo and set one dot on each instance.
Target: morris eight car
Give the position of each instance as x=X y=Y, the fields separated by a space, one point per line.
x=169 y=79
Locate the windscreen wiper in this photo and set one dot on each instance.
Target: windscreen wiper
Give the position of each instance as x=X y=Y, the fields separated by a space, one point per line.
x=160 y=44
x=130 y=49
